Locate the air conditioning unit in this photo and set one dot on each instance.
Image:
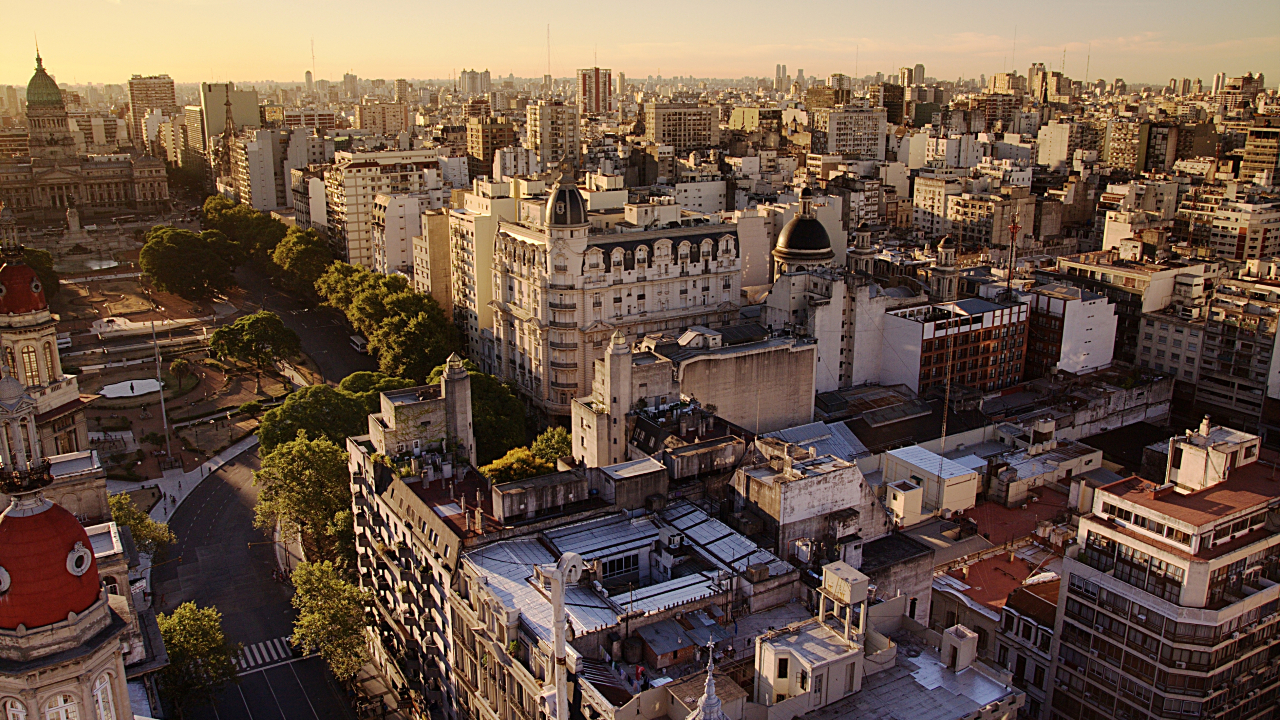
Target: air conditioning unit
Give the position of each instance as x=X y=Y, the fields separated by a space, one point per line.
x=1235 y=635
x=1097 y=628
x=1180 y=665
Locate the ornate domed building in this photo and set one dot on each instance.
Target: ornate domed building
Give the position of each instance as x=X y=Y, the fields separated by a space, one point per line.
x=803 y=243
x=61 y=657
x=42 y=186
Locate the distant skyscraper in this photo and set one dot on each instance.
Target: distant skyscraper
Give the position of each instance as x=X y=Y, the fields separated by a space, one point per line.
x=474 y=82
x=153 y=92
x=906 y=76
x=402 y=91
x=595 y=91
x=1219 y=82
x=350 y=85
x=311 y=86
x=919 y=73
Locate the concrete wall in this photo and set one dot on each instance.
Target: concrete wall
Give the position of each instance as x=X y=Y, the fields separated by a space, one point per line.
x=900 y=354
x=761 y=391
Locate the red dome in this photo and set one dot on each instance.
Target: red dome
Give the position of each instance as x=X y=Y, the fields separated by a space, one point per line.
x=42 y=546
x=20 y=288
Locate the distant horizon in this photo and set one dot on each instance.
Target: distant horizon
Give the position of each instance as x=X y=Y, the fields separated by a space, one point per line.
x=107 y=41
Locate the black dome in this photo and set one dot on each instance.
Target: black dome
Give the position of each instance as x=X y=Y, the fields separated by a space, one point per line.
x=565 y=205
x=804 y=234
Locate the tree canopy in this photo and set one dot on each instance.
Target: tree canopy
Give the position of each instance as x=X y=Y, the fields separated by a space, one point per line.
x=320 y=410
x=330 y=617
x=553 y=444
x=256 y=233
x=366 y=385
x=304 y=487
x=41 y=261
x=497 y=415
x=151 y=537
x=260 y=339
x=518 y=464
x=199 y=656
x=303 y=257
x=186 y=264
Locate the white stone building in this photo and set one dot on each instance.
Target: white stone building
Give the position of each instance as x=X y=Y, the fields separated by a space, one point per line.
x=353 y=182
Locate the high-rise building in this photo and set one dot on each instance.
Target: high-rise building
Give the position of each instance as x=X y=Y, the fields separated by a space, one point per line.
x=382 y=118
x=485 y=136
x=918 y=74
x=1219 y=82
x=1167 y=606
x=311 y=86
x=153 y=92
x=857 y=133
x=595 y=91
x=356 y=178
x=474 y=82
x=553 y=131
x=311 y=118
x=891 y=98
x=213 y=110
x=684 y=126
x=1262 y=149
x=402 y=91
x=350 y=85
x=906 y=76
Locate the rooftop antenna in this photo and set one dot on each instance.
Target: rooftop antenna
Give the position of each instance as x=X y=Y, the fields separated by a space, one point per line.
x=1013 y=61
x=548 y=88
x=856 y=50
x=1088 y=58
x=1063 y=69
x=313 y=57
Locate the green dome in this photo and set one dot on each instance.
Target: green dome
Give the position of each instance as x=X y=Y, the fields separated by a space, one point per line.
x=43 y=91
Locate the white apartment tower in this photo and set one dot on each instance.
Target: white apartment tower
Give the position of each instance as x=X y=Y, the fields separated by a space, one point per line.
x=553 y=132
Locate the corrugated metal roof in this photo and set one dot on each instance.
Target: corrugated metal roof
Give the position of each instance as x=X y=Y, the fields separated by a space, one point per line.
x=826 y=438
x=930 y=461
x=730 y=550
x=604 y=537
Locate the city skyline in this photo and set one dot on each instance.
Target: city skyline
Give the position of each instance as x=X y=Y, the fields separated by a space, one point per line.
x=1133 y=42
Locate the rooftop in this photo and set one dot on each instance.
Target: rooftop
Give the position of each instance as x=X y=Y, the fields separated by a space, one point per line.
x=814 y=642
x=826 y=438
x=1250 y=486
x=1000 y=524
x=890 y=550
x=919 y=687
x=1038 y=602
x=988 y=582
x=931 y=462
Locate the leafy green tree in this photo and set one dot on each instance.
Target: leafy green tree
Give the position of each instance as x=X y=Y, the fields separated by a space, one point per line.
x=199 y=656
x=414 y=346
x=260 y=339
x=41 y=261
x=304 y=485
x=320 y=410
x=186 y=264
x=330 y=617
x=303 y=256
x=338 y=285
x=257 y=233
x=497 y=415
x=518 y=464
x=366 y=386
x=151 y=537
x=553 y=444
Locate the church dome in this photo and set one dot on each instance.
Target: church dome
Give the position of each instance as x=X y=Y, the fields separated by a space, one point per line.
x=565 y=204
x=47 y=568
x=20 y=288
x=804 y=239
x=43 y=91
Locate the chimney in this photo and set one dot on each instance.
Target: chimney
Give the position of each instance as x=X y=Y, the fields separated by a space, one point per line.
x=1204 y=426
x=466 y=519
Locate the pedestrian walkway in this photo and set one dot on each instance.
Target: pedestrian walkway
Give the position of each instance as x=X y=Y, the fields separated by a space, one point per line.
x=268 y=652
x=176 y=484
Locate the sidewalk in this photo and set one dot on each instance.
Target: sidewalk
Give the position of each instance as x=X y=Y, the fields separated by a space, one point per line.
x=178 y=484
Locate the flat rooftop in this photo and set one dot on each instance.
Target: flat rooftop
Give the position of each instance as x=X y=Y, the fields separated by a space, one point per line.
x=1251 y=486
x=919 y=687
x=814 y=642
x=1000 y=524
x=931 y=462
x=826 y=438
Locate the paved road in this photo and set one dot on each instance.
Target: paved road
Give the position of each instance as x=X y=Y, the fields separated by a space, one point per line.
x=219 y=567
x=325 y=334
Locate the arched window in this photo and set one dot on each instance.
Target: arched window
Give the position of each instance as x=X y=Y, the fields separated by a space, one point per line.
x=30 y=369
x=103 y=703
x=49 y=366
x=14 y=709
x=62 y=707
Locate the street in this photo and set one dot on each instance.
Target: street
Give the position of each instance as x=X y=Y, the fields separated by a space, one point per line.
x=325 y=334
x=219 y=567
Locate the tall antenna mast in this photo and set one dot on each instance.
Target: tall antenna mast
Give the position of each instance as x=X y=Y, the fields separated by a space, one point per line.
x=1013 y=253
x=1064 y=62
x=1088 y=58
x=548 y=89
x=313 y=58
x=1013 y=60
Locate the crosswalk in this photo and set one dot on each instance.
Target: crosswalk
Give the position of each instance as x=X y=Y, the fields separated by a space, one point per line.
x=264 y=653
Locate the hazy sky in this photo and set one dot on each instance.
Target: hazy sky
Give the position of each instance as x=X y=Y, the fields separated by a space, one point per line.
x=204 y=40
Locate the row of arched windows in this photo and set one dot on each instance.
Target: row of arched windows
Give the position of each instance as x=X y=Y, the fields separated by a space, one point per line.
x=31 y=375
x=64 y=706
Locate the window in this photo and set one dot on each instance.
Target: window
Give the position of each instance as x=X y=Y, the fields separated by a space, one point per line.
x=30 y=368
x=61 y=707
x=620 y=566
x=782 y=668
x=102 y=700
x=14 y=710
x=48 y=360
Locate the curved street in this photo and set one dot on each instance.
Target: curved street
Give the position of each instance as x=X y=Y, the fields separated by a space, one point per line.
x=228 y=563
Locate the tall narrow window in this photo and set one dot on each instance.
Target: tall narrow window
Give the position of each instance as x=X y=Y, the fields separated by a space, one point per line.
x=14 y=710
x=102 y=700
x=49 y=364
x=61 y=707
x=30 y=368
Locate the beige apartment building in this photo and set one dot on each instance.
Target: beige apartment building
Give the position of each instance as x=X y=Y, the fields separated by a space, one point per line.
x=553 y=132
x=383 y=118
x=560 y=292
x=684 y=126
x=357 y=178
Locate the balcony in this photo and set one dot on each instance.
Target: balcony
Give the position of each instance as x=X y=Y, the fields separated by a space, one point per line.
x=563 y=325
x=560 y=286
x=564 y=385
x=564 y=345
x=562 y=305
x=556 y=364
